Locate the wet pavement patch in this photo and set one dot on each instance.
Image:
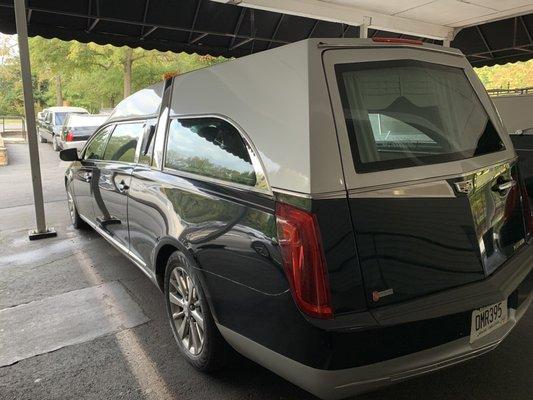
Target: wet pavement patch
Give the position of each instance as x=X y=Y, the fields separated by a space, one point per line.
x=74 y=317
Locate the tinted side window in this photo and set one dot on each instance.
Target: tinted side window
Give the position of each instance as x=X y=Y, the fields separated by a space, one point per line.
x=123 y=142
x=210 y=147
x=95 y=149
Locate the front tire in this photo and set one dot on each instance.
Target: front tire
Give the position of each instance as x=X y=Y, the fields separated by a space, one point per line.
x=75 y=218
x=190 y=318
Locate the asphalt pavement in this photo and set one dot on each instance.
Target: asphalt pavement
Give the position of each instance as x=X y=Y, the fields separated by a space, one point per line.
x=78 y=320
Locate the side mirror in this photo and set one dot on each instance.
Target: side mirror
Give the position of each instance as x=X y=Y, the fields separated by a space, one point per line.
x=69 y=155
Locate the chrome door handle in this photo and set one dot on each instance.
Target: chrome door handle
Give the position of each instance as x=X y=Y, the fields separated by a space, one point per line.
x=122 y=187
x=504 y=186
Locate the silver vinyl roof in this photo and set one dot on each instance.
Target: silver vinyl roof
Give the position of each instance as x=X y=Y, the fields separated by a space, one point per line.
x=280 y=100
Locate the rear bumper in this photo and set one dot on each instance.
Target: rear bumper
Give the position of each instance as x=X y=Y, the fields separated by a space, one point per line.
x=343 y=383
x=513 y=282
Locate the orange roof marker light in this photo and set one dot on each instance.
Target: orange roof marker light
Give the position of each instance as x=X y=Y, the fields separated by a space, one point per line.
x=397 y=40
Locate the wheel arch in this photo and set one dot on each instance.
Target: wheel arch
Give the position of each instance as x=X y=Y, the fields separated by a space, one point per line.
x=162 y=252
x=161 y=255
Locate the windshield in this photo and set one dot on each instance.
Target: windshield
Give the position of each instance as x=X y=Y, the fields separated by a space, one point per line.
x=406 y=113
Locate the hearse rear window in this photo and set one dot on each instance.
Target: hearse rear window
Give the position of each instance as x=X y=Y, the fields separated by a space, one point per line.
x=405 y=113
x=210 y=147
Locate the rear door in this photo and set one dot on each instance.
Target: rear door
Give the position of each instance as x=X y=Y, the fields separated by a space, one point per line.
x=431 y=176
x=112 y=181
x=147 y=223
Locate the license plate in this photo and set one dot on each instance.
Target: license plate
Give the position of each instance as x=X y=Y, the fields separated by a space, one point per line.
x=487 y=319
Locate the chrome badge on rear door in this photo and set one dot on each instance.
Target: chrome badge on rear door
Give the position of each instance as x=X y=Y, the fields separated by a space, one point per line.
x=465 y=186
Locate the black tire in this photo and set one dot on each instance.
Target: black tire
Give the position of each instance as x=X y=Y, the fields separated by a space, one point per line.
x=214 y=351
x=75 y=218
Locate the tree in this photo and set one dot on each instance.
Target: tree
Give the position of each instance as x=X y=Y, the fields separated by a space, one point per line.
x=512 y=75
x=88 y=75
x=49 y=62
x=99 y=76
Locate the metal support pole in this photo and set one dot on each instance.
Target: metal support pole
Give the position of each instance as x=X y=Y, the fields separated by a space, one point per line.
x=363 y=28
x=25 y=70
x=447 y=41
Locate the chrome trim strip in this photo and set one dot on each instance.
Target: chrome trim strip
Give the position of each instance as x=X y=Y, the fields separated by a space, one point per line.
x=340 y=194
x=358 y=191
x=203 y=178
x=262 y=184
x=433 y=189
x=291 y=193
x=120 y=247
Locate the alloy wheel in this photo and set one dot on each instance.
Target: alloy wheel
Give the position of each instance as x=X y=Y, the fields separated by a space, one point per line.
x=186 y=309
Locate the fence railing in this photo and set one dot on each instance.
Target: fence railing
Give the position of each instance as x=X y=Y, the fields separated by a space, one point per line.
x=13 y=125
x=510 y=92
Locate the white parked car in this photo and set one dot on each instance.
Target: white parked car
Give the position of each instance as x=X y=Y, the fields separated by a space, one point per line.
x=77 y=129
x=53 y=120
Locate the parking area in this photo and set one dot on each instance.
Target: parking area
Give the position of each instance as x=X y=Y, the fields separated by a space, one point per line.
x=78 y=320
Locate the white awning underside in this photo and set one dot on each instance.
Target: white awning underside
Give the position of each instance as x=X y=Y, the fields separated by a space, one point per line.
x=435 y=19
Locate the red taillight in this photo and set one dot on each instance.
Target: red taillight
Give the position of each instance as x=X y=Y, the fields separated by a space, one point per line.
x=69 y=137
x=397 y=40
x=303 y=260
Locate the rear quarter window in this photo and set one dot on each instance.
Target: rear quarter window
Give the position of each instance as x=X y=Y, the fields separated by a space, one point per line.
x=209 y=147
x=405 y=113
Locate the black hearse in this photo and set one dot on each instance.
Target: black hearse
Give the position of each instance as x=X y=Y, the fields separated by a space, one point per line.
x=347 y=213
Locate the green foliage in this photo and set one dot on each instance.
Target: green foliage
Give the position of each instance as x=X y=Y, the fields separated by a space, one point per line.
x=515 y=75
x=11 y=102
x=203 y=166
x=93 y=76
x=88 y=75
